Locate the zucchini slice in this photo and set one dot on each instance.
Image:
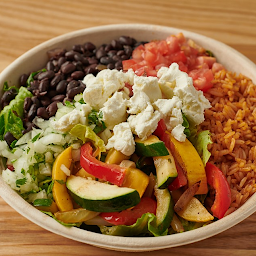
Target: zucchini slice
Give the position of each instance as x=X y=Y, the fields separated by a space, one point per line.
x=164 y=209
x=166 y=170
x=101 y=197
x=150 y=147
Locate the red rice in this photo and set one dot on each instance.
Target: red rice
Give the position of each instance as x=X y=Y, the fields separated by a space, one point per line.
x=232 y=123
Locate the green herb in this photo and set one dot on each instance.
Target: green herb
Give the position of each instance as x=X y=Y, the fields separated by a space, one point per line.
x=42 y=202
x=7 y=88
x=36 y=137
x=69 y=104
x=21 y=182
x=13 y=144
x=23 y=171
x=81 y=101
x=31 y=76
x=61 y=182
x=95 y=118
x=209 y=53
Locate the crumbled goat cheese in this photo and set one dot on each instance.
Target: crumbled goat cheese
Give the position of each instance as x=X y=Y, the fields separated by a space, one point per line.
x=122 y=140
x=137 y=103
x=144 y=123
x=114 y=110
x=148 y=85
x=193 y=102
x=104 y=85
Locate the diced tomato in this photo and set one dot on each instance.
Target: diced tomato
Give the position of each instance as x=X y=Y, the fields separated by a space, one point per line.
x=216 y=67
x=127 y=64
x=202 y=78
x=138 y=52
x=205 y=60
x=129 y=217
x=173 y=44
x=178 y=57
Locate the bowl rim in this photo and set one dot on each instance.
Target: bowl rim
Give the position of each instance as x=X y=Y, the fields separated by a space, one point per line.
x=131 y=244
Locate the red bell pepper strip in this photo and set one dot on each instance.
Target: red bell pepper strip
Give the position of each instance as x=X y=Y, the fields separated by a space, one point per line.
x=180 y=181
x=129 y=217
x=160 y=130
x=217 y=180
x=108 y=172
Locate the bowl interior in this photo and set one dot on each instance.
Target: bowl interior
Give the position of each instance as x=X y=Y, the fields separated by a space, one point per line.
x=36 y=58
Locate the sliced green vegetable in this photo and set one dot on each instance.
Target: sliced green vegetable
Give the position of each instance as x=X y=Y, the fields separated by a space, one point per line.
x=164 y=209
x=101 y=197
x=150 y=147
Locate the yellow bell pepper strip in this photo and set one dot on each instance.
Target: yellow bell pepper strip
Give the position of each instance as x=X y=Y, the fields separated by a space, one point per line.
x=83 y=173
x=115 y=157
x=190 y=161
x=107 y=172
x=195 y=211
x=59 y=190
x=52 y=208
x=218 y=181
x=136 y=179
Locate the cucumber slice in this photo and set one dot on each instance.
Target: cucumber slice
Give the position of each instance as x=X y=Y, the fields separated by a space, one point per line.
x=150 y=147
x=101 y=197
x=164 y=209
x=166 y=170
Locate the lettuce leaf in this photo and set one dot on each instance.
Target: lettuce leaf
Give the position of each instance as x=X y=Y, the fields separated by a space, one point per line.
x=85 y=133
x=201 y=142
x=146 y=225
x=11 y=116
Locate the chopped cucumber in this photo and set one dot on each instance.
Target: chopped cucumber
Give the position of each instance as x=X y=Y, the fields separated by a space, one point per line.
x=166 y=170
x=150 y=147
x=101 y=197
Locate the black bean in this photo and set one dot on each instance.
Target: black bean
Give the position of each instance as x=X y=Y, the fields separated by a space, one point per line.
x=120 y=53
x=124 y=57
x=56 y=80
x=116 y=58
x=77 y=75
x=116 y=45
x=88 y=54
x=88 y=46
x=8 y=96
x=9 y=138
x=111 y=66
x=52 y=108
x=112 y=53
x=82 y=59
x=108 y=48
x=36 y=101
x=68 y=68
x=34 y=84
x=100 y=53
x=77 y=48
x=74 y=91
x=128 y=50
x=47 y=74
x=58 y=97
x=51 y=93
x=119 y=65
x=72 y=84
x=79 y=65
x=106 y=60
x=92 y=61
x=23 y=80
x=44 y=85
x=41 y=112
x=70 y=55
x=56 y=53
x=62 y=86
x=69 y=78
x=32 y=112
x=61 y=61
x=50 y=66
x=27 y=103
x=125 y=40
x=45 y=101
x=92 y=69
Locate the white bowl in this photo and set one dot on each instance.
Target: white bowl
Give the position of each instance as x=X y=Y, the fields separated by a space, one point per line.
x=36 y=59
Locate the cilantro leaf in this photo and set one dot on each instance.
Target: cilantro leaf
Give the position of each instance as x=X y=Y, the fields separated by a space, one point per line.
x=95 y=118
x=21 y=182
x=42 y=202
